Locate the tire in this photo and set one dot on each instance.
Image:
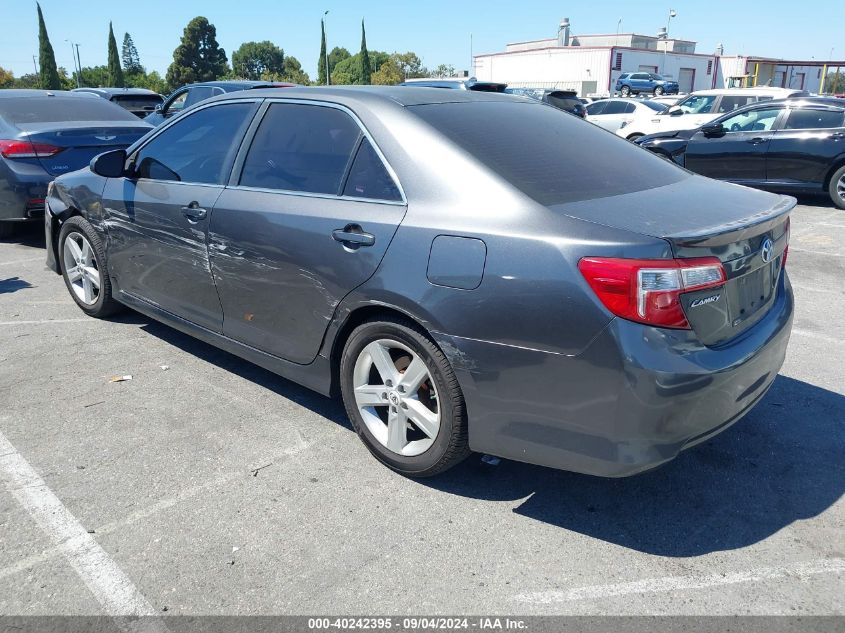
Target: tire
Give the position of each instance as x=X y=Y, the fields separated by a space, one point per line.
x=414 y=453
x=91 y=267
x=836 y=188
x=658 y=90
x=625 y=91
x=7 y=229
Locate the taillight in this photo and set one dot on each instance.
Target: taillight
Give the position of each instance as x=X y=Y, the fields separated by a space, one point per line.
x=649 y=290
x=785 y=248
x=26 y=149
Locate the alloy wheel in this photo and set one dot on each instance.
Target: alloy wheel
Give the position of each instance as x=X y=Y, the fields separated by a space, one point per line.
x=396 y=397
x=81 y=268
x=840 y=187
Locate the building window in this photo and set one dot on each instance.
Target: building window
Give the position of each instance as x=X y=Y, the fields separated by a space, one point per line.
x=710 y=67
x=618 y=64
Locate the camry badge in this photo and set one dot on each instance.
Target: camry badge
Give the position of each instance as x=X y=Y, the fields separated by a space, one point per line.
x=106 y=137
x=766 y=251
x=705 y=300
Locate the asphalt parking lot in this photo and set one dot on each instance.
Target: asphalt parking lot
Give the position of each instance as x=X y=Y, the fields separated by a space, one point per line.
x=205 y=485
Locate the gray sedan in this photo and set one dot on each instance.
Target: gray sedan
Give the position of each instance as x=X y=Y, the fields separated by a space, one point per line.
x=451 y=263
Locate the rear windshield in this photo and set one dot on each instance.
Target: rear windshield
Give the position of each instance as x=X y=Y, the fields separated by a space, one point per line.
x=549 y=155
x=654 y=105
x=137 y=102
x=37 y=109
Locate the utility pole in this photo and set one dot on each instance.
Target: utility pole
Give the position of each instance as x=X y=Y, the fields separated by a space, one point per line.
x=78 y=61
x=672 y=14
x=76 y=70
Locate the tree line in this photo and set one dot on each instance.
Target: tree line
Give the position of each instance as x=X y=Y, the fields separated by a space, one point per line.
x=199 y=57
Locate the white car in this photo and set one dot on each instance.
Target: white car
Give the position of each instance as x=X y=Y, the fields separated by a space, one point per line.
x=611 y=114
x=701 y=107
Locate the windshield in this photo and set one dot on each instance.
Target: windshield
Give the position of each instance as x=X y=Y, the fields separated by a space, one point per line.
x=697 y=104
x=540 y=150
x=57 y=109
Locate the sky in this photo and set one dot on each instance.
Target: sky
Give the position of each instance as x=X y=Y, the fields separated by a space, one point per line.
x=439 y=31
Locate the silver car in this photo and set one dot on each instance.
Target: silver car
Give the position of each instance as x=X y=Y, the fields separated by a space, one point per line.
x=453 y=264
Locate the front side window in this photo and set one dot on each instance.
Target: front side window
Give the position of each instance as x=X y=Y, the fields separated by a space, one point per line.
x=199 y=148
x=177 y=104
x=752 y=121
x=368 y=177
x=813 y=119
x=697 y=104
x=300 y=147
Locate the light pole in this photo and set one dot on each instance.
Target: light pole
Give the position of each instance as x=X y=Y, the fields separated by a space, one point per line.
x=672 y=14
x=325 y=19
x=76 y=68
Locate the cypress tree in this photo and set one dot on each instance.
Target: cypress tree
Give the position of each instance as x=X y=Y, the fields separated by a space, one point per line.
x=322 y=78
x=366 y=68
x=115 y=71
x=48 y=73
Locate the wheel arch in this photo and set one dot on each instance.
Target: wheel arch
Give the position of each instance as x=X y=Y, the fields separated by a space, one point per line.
x=838 y=163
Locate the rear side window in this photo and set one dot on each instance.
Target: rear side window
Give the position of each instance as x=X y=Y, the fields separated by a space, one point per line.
x=368 y=177
x=301 y=148
x=199 y=148
x=540 y=150
x=58 y=109
x=615 y=107
x=729 y=103
x=596 y=107
x=813 y=119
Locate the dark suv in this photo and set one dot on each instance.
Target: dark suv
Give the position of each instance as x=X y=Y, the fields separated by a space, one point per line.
x=635 y=83
x=566 y=100
x=139 y=101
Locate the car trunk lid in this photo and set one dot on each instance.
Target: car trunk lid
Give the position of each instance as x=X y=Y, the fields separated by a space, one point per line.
x=747 y=230
x=80 y=141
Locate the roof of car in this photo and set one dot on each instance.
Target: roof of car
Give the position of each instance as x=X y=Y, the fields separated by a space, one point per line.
x=29 y=93
x=757 y=90
x=373 y=94
x=113 y=91
x=240 y=84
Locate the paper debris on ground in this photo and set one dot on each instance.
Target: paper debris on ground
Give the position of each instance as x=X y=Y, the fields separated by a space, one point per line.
x=120 y=378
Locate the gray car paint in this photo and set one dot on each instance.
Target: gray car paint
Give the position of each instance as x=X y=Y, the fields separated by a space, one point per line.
x=549 y=375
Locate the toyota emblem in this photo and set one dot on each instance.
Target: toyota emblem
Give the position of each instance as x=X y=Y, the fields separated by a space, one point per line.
x=766 y=250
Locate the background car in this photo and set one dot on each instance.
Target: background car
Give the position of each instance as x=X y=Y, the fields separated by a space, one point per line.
x=701 y=107
x=470 y=83
x=191 y=94
x=792 y=146
x=636 y=83
x=139 y=101
x=566 y=100
x=612 y=114
x=495 y=312
x=44 y=134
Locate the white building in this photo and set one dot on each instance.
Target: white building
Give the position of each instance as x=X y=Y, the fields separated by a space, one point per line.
x=591 y=64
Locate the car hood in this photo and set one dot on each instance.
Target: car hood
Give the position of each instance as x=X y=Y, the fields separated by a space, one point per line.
x=684 y=134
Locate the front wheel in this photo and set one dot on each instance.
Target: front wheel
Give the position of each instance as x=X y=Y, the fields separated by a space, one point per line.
x=625 y=91
x=403 y=398
x=836 y=189
x=83 y=260
x=658 y=90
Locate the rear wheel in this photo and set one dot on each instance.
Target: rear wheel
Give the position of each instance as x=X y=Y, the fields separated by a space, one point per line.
x=83 y=260
x=836 y=189
x=403 y=398
x=625 y=91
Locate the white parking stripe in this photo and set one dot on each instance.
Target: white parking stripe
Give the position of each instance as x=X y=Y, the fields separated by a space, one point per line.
x=22 y=261
x=110 y=585
x=793 y=249
x=48 y=321
x=817 y=336
x=686 y=583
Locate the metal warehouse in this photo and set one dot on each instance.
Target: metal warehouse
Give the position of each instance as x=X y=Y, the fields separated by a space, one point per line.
x=591 y=64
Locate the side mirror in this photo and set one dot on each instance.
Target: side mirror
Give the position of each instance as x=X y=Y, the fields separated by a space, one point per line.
x=714 y=130
x=675 y=111
x=110 y=164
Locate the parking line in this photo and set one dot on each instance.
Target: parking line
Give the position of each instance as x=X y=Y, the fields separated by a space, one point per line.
x=111 y=587
x=819 y=337
x=792 y=249
x=685 y=583
x=22 y=261
x=48 y=321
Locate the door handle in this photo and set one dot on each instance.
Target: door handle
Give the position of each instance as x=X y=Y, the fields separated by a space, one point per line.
x=194 y=212
x=756 y=140
x=353 y=236
x=837 y=136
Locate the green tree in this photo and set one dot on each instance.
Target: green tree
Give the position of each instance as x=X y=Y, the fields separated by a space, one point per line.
x=366 y=68
x=131 y=59
x=337 y=55
x=95 y=76
x=49 y=74
x=410 y=65
x=293 y=72
x=151 y=81
x=115 y=71
x=348 y=71
x=7 y=78
x=322 y=78
x=29 y=80
x=443 y=70
x=254 y=59
x=389 y=74
x=198 y=57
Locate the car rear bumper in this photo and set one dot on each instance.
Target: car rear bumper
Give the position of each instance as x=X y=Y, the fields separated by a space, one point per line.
x=631 y=401
x=22 y=191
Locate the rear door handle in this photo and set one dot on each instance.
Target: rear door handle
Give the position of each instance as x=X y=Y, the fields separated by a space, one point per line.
x=353 y=236
x=756 y=140
x=194 y=212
